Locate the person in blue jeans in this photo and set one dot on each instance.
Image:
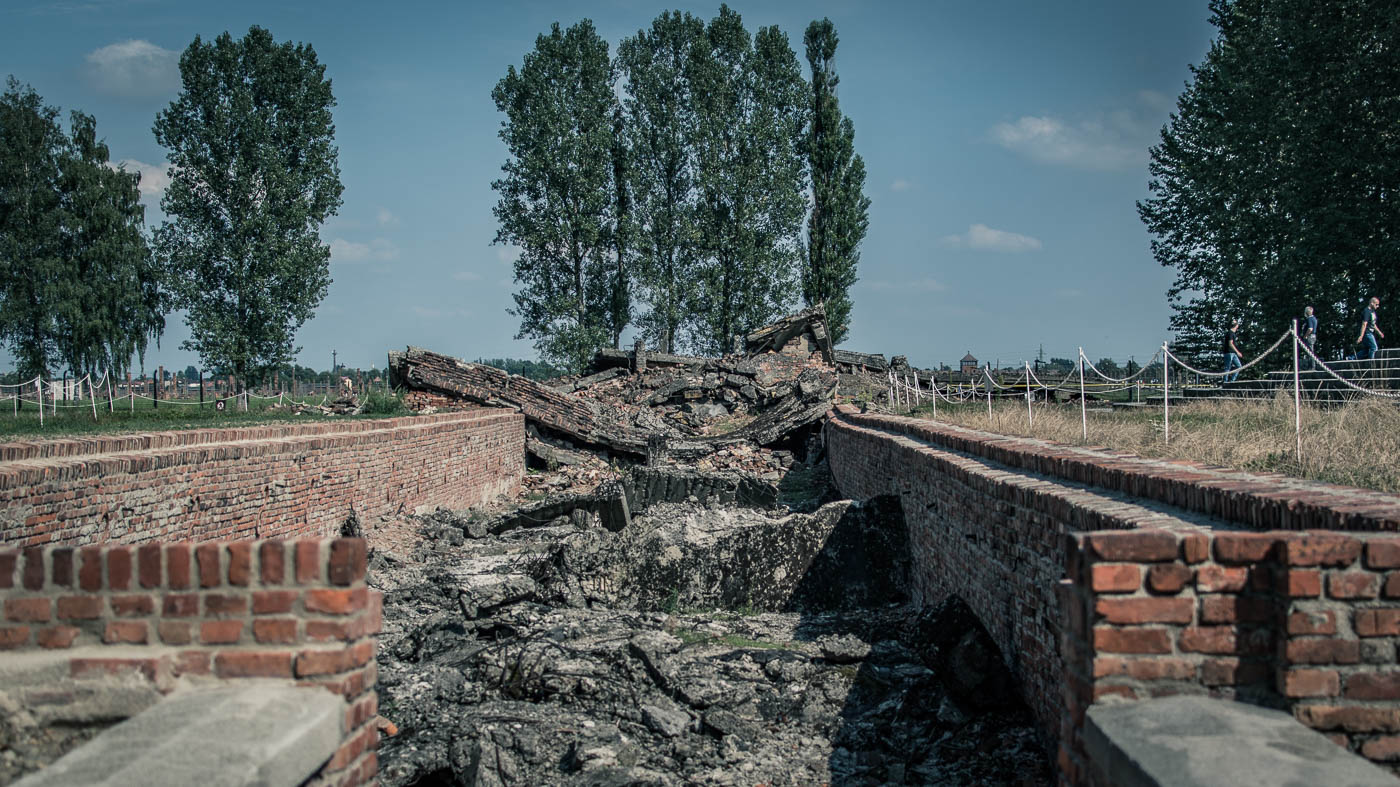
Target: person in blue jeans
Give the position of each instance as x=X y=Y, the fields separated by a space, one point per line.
x=1369 y=331
x=1232 y=352
x=1307 y=331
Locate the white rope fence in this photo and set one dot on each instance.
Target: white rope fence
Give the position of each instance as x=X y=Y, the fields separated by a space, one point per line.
x=905 y=389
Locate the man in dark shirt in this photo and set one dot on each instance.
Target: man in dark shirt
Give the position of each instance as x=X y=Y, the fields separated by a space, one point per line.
x=1307 y=331
x=1369 y=331
x=1232 y=353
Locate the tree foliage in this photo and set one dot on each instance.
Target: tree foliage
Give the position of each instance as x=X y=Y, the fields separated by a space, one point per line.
x=557 y=199
x=254 y=174
x=78 y=289
x=840 y=210
x=1275 y=183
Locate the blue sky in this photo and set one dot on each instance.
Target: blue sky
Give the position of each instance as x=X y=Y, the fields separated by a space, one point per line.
x=1005 y=143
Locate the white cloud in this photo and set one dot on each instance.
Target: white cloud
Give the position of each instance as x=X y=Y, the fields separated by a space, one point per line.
x=378 y=250
x=387 y=219
x=466 y=276
x=980 y=237
x=154 y=177
x=1114 y=140
x=134 y=68
x=901 y=185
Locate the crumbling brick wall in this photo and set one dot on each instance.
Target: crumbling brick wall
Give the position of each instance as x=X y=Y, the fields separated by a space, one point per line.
x=290 y=480
x=212 y=613
x=1154 y=594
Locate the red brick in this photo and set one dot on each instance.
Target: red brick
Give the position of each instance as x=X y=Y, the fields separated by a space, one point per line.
x=90 y=571
x=273 y=556
x=148 y=565
x=1195 y=547
x=1208 y=639
x=175 y=632
x=177 y=566
x=1322 y=622
x=1221 y=579
x=273 y=602
x=207 y=556
x=1132 y=611
x=1116 y=640
x=240 y=563
x=308 y=554
x=9 y=562
x=1352 y=718
x=329 y=630
x=148 y=667
x=335 y=602
x=322 y=662
x=131 y=632
x=1236 y=609
x=1114 y=578
x=1383 y=749
x=57 y=637
x=1383 y=553
x=119 y=568
x=253 y=664
x=180 y=605
x=28 y=610
x=13 y=637
x=1244 y=547
x=373 y=621
x=1353 y=584
x=34 y=576
x=1311 y=683
x=1230 y=671
x=1321 y=549
x=1135 y=545
x=1168 y=577
x=1303 y=583
x=221 y=604
x=80 y=608
x=347 y=564
x=62 y=567
x=1377 y=622
x=192 y=662
x=131 y=606
x=1392 y=585
x=220 y=632
x=1323 y=651
x=275 y=630
x=1101 y=691
x=1373 y=686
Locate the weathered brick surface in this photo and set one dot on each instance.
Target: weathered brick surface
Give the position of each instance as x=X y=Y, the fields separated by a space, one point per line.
x=249 y=619
x=287 y=481
x=1262 y=588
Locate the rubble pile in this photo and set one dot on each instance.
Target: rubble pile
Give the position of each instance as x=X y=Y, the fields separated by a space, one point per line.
x=755 y=636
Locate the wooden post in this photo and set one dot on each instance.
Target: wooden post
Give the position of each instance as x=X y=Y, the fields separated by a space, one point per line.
x=1166 y=407
x=93 y=397
x=201 y=388
x=111 y=408
x=1297 y=400
x=989 y=398
x=1030 y=421
x=130 y=392
x=39 y=388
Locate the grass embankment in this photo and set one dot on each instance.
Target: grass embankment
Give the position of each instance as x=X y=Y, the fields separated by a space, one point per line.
x=1357 y=444
x=148 y=416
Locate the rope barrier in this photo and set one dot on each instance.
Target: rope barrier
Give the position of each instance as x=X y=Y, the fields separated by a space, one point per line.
x=1237 y=369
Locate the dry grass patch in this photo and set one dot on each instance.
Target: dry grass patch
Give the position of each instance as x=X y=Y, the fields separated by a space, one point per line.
x=1357 y=444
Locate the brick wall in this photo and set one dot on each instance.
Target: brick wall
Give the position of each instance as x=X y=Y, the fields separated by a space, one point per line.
x=1163 y=591
x=178 y=613
x=1307 y=622
x=259 y=482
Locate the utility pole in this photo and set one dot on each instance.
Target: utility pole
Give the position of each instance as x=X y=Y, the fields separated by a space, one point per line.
x=333 y=364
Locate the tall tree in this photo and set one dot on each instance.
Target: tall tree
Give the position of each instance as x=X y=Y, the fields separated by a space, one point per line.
x=749 y=97
x=620 y=286
x=557 y=201
x=1275 y=183
x=255 y=173
x=660 y=67
x=840 y=210
x=78 y=289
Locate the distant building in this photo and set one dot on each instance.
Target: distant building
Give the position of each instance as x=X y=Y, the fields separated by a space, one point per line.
x=968 y=364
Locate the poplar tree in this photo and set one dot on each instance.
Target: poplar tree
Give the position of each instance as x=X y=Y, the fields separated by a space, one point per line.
x=557 y=198
x=254 y=175
x=660 y=66
x=749 y=100
x=838 y=219
x=1276 y=183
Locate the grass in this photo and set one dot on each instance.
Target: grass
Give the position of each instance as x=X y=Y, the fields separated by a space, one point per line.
x=1356 y=444
x=146 y=417
x=691 y=637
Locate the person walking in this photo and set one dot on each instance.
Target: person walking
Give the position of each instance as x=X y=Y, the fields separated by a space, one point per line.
x=1369 y=331
x=1307 y=330
x=1232 y=352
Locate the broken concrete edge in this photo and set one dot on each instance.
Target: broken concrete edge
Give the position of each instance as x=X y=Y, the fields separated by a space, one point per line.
x=260 y=732
x=1192 y=741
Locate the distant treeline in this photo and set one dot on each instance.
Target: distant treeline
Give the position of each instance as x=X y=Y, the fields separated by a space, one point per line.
x=535 y=370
